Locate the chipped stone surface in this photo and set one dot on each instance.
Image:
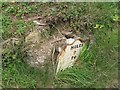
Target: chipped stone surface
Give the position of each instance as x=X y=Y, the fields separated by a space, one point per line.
x=67 y=57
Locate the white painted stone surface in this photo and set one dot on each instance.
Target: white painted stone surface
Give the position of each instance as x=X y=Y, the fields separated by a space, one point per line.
x=69 y=55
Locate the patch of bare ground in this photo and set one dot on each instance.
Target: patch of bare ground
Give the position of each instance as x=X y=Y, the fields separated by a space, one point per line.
x=40 y=47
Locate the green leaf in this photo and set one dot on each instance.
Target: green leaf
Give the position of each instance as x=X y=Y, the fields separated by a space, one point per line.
x=115 y=18
x=97 y=26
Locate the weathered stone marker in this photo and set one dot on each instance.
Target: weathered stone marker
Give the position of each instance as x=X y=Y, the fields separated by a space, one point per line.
x=69 y=54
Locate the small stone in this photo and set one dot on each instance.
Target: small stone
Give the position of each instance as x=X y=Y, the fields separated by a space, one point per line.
x=33 y=37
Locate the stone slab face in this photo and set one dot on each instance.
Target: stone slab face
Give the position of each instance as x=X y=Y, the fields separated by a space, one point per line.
x=69 y=55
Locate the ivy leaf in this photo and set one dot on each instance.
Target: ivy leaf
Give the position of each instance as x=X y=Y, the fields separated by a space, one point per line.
x=115 y=18
x=97 y=26
x=101 y=26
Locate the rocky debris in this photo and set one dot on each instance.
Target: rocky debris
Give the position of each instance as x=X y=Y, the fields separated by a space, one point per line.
x=39 y=49
x=38 y=54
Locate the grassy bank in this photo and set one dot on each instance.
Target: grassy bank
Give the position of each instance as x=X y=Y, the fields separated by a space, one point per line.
x=97 y=66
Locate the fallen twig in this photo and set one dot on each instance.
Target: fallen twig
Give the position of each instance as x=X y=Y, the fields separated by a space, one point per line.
x=58 y=40
x=33 y=18
x=9 y=40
